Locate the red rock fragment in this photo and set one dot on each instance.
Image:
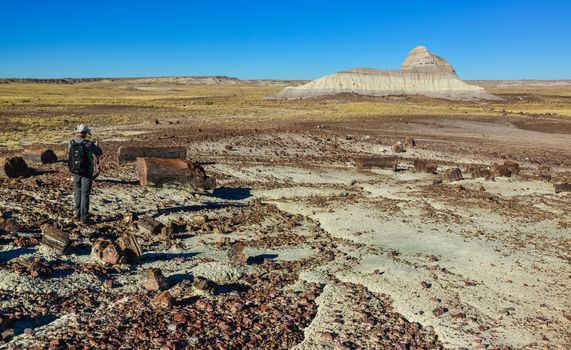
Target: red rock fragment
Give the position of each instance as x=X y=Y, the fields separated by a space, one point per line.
x=439 y=311
x=397 y=147
x=236 y=253
x=163 y=300
x=153 y=279
x=107 y=252
x=425 y=285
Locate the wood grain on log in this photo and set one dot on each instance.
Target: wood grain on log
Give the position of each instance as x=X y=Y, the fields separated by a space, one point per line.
x=158 y=172
x=54 y=238
x=386 y=162
x=13 y=167
x=40 y=155
x=131 y=153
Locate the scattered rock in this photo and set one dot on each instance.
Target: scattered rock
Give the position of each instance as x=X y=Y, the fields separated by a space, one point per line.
x=153 y=279
x=54 y=238
x=236 y=253
x=512 y=166
x=149 y=226
x=163 y=300
x=397 y=147
x=107 y=252
x=501 y=170
x=409 y=142
x=424 y=166
x=204 y=285
x=425 y=285
x=454 y=174
x=439 y=311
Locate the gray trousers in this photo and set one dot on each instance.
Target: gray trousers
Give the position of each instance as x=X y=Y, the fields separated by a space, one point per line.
x=82 y=192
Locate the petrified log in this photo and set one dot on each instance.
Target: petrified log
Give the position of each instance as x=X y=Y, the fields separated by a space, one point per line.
x=131 y=153
x=422 y=165
x=40 y=155
x=149 y=227
x=130 y=246
x=158 y=172
x=107 y=252
x=54 y=238
x=388 y=162
x=562 y=187
x=454 y=174
x=13 y=167
x=236 y=253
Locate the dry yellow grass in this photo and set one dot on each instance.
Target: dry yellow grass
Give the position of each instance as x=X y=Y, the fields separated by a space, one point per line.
x=31 y=113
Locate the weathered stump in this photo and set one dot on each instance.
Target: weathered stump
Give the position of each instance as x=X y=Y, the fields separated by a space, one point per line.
x=54 y=238
x=40 y=155
x=11 y=167
x=158 y=172
x=131 y=153
x=387 y=162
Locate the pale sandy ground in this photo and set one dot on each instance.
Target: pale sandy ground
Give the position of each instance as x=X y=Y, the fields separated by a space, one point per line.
x=393 y=232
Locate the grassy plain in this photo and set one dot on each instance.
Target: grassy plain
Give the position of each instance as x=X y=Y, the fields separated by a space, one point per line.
x=44 y=113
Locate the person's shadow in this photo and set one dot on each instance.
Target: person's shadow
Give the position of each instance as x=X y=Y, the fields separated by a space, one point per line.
x=229 y=193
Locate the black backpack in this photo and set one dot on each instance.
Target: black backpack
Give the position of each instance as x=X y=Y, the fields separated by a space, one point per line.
x=78 y=159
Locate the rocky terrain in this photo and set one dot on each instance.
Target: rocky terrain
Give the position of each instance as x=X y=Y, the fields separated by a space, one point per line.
x=297 y=247
x=337 y=222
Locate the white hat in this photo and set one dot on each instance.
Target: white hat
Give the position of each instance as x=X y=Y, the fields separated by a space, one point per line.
x=82 y=128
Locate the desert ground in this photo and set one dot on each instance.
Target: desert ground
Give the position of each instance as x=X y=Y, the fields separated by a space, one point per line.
x=338 y=257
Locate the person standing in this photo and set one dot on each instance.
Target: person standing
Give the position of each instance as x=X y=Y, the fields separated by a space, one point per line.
x=81 y=161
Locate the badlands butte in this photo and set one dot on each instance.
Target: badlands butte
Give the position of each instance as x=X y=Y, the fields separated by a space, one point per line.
x=369 y=209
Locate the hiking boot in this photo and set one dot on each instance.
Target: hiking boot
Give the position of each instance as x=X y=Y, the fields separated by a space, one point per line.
x=87 y=221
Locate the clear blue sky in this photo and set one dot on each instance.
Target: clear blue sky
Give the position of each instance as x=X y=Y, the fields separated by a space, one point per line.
x=499 y=39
